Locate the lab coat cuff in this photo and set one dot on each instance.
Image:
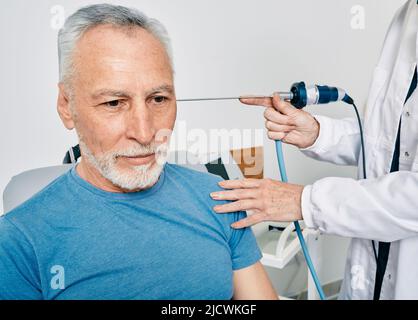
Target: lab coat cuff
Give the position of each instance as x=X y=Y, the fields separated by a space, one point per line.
x=325 y=129
x=308 y=208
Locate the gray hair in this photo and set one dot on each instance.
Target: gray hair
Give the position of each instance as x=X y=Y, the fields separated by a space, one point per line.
x=88 y=17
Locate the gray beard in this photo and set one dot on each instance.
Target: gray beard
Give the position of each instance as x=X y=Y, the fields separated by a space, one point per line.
x=138 y=177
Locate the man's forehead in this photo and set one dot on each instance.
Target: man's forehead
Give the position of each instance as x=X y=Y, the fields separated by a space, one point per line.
x=120 y=39
x=127 y=70
x=116 y=64
x=123 y=68
x=106 y=46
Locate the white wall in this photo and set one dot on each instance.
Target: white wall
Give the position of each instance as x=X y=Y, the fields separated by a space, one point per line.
x=221 y=48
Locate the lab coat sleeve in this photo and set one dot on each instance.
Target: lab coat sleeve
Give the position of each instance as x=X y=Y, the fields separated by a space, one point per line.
x=338 y=141
x=383 y=209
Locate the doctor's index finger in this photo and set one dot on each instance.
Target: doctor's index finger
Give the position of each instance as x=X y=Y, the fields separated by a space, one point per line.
x=256 y=101
x=240 y=184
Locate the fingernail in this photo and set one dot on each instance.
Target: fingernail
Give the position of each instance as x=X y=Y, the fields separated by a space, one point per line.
x=235 y=225
x=214 y=195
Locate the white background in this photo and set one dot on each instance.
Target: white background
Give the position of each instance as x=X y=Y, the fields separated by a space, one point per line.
x=221 y=48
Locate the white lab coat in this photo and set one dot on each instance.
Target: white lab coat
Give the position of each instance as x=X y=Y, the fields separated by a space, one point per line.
x=385 y=206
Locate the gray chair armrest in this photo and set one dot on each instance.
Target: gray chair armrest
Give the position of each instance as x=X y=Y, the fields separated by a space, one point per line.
x=26 y=184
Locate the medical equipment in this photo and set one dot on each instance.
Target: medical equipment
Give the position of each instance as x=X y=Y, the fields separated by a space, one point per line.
x=301 y=96
x=283 y=95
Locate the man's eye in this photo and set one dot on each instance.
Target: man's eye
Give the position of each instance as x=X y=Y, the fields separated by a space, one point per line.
x=113 y=103
x=159 y=99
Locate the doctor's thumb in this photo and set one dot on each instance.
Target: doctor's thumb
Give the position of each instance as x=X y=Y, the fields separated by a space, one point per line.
x=282 y=106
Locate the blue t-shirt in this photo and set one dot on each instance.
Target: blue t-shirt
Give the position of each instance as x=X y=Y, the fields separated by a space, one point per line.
x=75 y=241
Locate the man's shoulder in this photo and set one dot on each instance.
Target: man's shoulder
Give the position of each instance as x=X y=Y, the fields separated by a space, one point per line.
x=190 y=173
x=196 y=186
x=192 y=176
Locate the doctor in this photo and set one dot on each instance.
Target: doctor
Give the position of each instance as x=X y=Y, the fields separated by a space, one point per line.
x=379 y=213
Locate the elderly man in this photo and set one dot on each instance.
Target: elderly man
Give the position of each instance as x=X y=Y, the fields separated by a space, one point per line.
x=123 y=224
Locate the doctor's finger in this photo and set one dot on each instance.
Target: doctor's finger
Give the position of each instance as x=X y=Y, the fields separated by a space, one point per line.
x=272 y=126
x=249 y=221
x=236 y=194
x=241 y=205
x=240 y=184
x=263 y=102
x=282 y=106
x=276 y=136
x=273 y=115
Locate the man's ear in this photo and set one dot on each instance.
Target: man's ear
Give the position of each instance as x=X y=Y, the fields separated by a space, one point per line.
x=63 y=107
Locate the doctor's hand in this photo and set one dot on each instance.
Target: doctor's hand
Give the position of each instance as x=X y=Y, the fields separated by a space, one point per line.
x=270 y=200
x=286 y=123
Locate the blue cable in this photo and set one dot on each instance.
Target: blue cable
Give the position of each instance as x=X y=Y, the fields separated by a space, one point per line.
x=282 y=168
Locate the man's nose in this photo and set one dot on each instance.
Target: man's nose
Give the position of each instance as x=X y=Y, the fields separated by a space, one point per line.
x=140 y=123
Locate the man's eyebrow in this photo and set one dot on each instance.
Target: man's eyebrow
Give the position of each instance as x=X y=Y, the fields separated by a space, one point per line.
x=165 y=87
x=111 y=93
x=126 y=94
